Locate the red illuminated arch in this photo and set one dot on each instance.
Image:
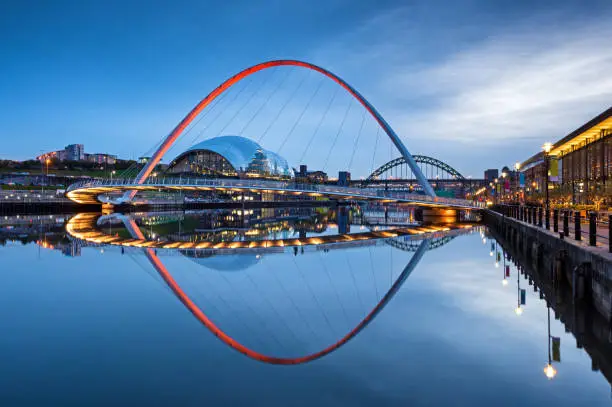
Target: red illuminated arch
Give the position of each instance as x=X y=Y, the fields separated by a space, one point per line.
x=178 y=130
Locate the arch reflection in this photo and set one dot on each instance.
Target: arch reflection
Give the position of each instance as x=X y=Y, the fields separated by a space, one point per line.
x=83 y=227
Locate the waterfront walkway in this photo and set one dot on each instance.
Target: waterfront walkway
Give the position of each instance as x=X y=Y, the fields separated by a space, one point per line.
x=538 y=222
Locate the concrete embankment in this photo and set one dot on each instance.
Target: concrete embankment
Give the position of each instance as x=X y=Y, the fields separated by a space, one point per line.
x=587 y=270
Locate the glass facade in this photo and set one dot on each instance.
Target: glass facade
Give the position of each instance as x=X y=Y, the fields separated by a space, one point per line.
x=586 y=167
x=231 y=156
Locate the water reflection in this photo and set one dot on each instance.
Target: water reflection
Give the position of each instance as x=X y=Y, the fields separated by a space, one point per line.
x=592 y=331
x=214 y=238
x=450 y=325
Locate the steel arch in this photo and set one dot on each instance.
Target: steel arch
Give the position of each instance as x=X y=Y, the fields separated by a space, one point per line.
x=178 y=130
x=423 y=159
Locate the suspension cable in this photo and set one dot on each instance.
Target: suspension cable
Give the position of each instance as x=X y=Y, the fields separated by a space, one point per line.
x=283 y=107
x=323 y=116
x=348 y=108
x=301 y=114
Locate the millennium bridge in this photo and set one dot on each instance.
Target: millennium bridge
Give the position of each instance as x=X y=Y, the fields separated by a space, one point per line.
x=106 y=191
x=96 y=191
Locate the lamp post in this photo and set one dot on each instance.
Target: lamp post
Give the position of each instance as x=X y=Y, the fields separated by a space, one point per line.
x=517 y=167
x=111 y=174
x=549 y=370
x=546 y=147
x=518 y=310
x=503 y=183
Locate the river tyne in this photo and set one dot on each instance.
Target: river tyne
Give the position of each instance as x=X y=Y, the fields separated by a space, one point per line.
x=291 y=307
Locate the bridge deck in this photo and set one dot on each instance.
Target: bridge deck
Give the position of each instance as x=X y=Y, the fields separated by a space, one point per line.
x=90 y=191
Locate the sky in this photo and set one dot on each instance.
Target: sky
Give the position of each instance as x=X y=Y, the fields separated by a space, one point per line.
x=477 y=84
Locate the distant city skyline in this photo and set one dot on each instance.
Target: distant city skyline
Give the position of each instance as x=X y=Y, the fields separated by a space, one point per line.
x=475 y=84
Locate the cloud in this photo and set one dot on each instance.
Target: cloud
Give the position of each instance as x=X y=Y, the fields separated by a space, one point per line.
x=458 y=91
x=532 y=85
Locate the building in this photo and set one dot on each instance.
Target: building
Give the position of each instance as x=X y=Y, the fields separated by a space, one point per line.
x=100 y=158
x=231 y=156
x=72 y=152
x=579 y=165
x=344 y=178
x=75 y=152
x=490 y=175
x=315 y=177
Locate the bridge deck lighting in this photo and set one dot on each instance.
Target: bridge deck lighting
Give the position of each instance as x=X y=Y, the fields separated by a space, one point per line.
x=504 y=282
x=518 y=310
x=547 y=147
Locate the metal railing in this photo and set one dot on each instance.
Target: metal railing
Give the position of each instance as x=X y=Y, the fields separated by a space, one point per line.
x=592 y=227
x=285 y=186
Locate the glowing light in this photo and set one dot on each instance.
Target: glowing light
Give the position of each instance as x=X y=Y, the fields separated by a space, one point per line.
x=491 y=254
x=547 y=147
x=496 y=264
x=484 y=241
x=518 y=310
x=550 y=371
x=504 y=282
x=517 y=166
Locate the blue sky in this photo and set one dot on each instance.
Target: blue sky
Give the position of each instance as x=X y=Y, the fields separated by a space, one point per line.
x=477 y=84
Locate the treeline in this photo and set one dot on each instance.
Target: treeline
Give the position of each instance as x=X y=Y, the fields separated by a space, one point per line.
x=54 y=164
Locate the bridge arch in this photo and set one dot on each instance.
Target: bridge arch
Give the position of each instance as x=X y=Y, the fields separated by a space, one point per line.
x=421 y=159
x=178 y=130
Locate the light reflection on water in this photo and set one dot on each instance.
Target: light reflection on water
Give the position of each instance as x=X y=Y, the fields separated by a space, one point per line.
x=86 y=327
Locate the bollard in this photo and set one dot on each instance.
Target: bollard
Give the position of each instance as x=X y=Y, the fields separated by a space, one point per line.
x=535 y=216
x=555 y=220
x=540 y=216
x=529 y=215
x=592 y=229
x=610 y=233
x=547 y=218
x=566 y=223
x=577 y=234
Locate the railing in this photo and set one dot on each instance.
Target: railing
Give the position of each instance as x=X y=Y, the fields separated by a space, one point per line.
x=273 y=185
x=593 y=227
x=29 y=196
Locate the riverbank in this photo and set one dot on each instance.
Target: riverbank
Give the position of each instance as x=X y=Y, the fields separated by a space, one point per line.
x=588 y=270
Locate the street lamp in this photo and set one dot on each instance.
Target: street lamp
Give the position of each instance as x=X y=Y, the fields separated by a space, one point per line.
x=112 y=173
x=549 y=370
x=546 y=147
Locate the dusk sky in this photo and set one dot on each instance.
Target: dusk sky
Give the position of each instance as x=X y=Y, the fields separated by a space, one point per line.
x=477 y=84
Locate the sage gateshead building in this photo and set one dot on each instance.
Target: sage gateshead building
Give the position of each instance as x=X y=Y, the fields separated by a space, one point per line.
x=578 y=166
x=230 y=156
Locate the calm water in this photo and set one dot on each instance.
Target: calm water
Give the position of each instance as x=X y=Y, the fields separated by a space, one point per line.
x=100 y=326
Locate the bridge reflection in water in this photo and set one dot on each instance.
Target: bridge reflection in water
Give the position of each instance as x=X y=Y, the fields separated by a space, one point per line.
x=322 y=307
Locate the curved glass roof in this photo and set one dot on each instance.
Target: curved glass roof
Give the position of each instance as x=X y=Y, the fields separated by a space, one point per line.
x=241 y=153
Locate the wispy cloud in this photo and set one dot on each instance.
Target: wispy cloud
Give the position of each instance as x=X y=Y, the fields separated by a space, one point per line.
x=538 y=84
x=513 y=86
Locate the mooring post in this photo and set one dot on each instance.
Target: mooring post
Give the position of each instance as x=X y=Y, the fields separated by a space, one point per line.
x=610 y=233
x=566 y=223
x=555 y=220
x=577 y=234
x=540 y=216
x=547 y=218
x=592 y=229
